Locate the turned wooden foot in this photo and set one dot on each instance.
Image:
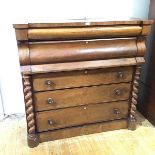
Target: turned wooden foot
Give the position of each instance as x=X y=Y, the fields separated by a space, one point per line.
x=32 y=140
x=132 y=124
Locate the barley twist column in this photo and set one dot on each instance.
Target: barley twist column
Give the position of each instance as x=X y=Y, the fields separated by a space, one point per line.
x=32 y=137
x=134 y=97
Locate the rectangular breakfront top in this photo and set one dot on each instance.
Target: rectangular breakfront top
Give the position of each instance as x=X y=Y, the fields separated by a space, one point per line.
x=84 y=22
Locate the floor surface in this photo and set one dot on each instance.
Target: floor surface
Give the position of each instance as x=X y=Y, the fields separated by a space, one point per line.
x=119 y=142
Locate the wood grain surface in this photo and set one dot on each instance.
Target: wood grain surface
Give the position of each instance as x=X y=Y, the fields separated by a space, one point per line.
x=72 y=51
x=84 y=22
x=83 y=32
x=81 y=96
x=71 y=66
x=72 y=79
x=83 y=130
x=81 y=115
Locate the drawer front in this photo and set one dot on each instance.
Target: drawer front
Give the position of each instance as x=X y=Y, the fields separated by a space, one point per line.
x=74 y=51
x=83 y=130
x=74 y=116
x=62 y=80
x=81 y=96
x=74 y=32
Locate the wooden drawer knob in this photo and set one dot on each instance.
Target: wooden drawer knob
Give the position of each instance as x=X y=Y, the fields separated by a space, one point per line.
x=50 y=122
x=50 y=101
x=118 y=92
x=49 y=82
x=120 y=75
x=116 y=111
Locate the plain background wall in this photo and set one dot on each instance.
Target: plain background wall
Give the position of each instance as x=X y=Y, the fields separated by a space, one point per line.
x=1 y=107
x=19 y=11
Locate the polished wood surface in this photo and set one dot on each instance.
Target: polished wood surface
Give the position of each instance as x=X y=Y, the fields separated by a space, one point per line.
x=81 y=96
x=83 y=22
x=83 y=32
x=72 y=51
x=71 y=66
x=81 y=115
x=24 y=54
x=29 y=108
x=83 y=130
x=134 y=97
x=77 y=71
x=61 y=80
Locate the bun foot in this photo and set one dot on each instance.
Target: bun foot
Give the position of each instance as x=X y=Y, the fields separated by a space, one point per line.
x=132 y=124
x=32 y=140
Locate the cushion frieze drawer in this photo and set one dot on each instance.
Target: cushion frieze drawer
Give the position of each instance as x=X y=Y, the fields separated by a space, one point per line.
x=81 y=96
x=71 y=79
x=61 y=118
x=85 y=50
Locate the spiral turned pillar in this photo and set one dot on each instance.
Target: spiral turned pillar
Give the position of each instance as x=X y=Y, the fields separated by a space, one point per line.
x=32 y=137
x=134 y=97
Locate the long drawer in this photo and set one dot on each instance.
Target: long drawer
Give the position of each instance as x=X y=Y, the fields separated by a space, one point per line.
x=71 y=79
x=81 y=96
x=82 y=31
x=72 y=51
x=74 y=116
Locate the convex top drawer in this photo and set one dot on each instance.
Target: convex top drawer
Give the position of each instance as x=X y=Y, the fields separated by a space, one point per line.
x=35 y=53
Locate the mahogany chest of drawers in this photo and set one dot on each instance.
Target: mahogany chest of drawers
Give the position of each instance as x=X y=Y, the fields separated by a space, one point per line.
x=80 y=77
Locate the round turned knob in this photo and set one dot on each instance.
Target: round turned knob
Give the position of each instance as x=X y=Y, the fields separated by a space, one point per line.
x=50 y=101
x=50 y=122
x=84 y=108
x=118 y=92
x=120 y=75
x=48 y=82
x=116 y=111
x=85 y=72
